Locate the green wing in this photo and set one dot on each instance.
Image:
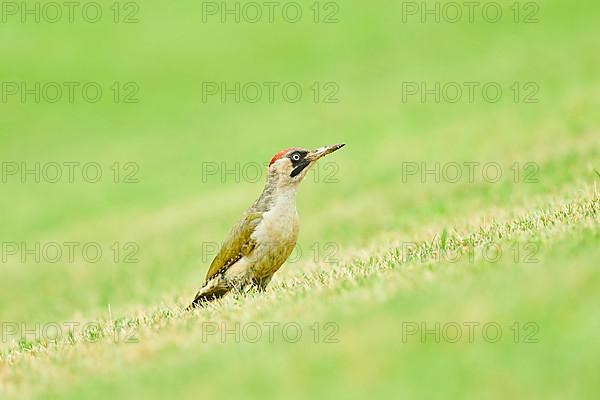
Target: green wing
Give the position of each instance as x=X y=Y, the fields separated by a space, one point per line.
x=238 y=244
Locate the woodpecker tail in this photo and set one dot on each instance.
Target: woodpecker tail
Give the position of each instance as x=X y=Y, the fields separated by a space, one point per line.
x=205 y=295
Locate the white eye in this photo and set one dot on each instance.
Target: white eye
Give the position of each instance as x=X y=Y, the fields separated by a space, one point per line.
x=296 y=157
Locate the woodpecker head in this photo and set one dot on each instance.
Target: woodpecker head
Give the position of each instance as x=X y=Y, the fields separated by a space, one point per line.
x=289 y=166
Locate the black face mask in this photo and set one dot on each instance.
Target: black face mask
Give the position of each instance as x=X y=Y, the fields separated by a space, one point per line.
x=299 y=166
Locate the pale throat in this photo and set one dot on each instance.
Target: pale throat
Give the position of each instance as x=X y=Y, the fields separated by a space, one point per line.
x=284 y=203
x=280 y=223
x=285 y=196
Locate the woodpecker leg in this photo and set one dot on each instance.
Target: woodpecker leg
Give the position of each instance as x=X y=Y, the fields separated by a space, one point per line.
x=261 y=283
x=240 y=286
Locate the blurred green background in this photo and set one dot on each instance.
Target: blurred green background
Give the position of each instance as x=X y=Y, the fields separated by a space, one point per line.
x=171 y=132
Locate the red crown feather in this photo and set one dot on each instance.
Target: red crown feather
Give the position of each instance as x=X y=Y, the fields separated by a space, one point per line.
x=280 y=154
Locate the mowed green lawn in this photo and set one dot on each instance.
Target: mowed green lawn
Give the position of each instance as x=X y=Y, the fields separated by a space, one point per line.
x=406 y=284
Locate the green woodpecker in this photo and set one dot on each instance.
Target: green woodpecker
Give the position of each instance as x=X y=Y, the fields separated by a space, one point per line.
x=267 y=232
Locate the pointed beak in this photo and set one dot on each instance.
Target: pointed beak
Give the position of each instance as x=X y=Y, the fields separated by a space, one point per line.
x=323 y=151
